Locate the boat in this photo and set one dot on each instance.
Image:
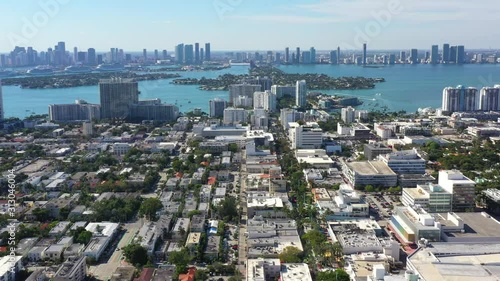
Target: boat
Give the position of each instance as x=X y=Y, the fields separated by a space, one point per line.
x=40 y=70
x=238 y=63
x=110 y=67
x=77 y=69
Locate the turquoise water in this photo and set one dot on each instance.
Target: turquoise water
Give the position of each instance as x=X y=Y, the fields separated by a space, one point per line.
x=407 y=87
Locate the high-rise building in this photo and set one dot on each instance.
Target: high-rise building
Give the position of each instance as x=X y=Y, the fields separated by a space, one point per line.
x=264 y=100
x=297 y=55
x=91 y=58
x=144 y=54
x=414 y=56
x=153 y=110
x=446 y=53
x=333 y=57
x=157 y=56
x=196 y=53
x=117 y=95
x=246 y=90
x=235 y=115
x=75 y=54
x=392 y=59
x=78 y=111
x=202 y=55
x=217 y=107
x=460 y=54
x=164 y=55
x=364 y=54
x=179 y=53
x=207 y=52
x=281 y=91
x=338 y=55
x=2 y=114
x=306 y=57
x=313 y=55
x=402 y=57
x=61 y=53
x=489 y=98
x=81 y=57
x=287 y=55
x=301 y=93
x=188 y=54
x=87 y=128
x=453 y=54
x=462 y=188
x=348 y=114
x=434 y=54
x=460 y=99
x=308 y=136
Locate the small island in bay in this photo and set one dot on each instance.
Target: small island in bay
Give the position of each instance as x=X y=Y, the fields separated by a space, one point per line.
x=80 y=79
x=279 y=77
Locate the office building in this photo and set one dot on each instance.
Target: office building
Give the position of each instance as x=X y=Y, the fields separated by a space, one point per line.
x=297 y=55
x=235 y=115
x=404 y=162
x=392 y=59
x=338 y=55
x=61 y=53
x=2 y=114
x=217 y=107
x=245 y=90
x=264 y=100
x=453 y=54
x=460 y=99
x=460 y=55
x=153 y=111
x=157 y=57
x=287 y=55
x=375 y=173
x=434 y=54
x=196 y=53
x=79 y=111
x=117 y=95
x=489 y=98
x=431 y=197
x=179 y=53
x=288 y=115
x=373 y=150
x=144 y=54
x=73 y=269
x=333 y=57
x=364 y=54
x=414 y=56
x=301 y=93
x=410 y=224
x=446 y=53
x=312 y=58
x=348 y=115
x=402 y=57
x=207 y=52
x=188 y=54
x=462 y=188
x=307 y=136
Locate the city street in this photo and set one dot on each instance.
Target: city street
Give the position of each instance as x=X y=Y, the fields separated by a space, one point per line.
x=242 y=248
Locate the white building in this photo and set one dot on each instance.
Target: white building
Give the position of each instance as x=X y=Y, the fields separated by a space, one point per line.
x=8 y=263
x=264 y=100
x=404 y=162
x=263 y=269
x=73 y=269
x=295 y=272
x=281 y=91
x=489 y=98
x=301 y=93
x=348 y=114
x=431 y=197
x=288 y=115
x=87 y=128
x=245 y=90
x=460 y=99
x=121 y=148
x=317 y=158
x=309 y=135
x=235 y=115
x=462 y=188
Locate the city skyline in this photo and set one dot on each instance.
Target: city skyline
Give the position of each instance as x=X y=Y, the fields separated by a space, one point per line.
x=41 y=23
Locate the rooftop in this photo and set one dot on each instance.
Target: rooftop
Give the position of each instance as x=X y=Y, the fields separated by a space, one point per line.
x=370 y=168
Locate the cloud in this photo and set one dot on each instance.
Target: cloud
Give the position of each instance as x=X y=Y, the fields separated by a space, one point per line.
x=286 y=19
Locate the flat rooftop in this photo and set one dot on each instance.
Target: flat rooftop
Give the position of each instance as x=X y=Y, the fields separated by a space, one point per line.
x=370 y=168
x=476 y=225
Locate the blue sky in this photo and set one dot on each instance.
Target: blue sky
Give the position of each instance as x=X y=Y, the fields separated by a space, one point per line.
x=249 y=24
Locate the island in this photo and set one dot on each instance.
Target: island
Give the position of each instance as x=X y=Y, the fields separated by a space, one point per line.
x=81 y=79
x=279 y=77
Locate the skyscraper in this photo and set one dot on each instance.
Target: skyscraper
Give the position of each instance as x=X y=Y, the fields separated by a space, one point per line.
x=196 y=53
x=338 y=55
x=287 y=55
x=164 y=55
x=117 y=95
x=348 y=114
x=333 y=57
x=364 y=54
x=402 y=57
x=91 y=58
x=217 y=107
x=453 y=54
x=202 y=55
x=434 y=54
x=61 y=53
x=446 y=53
x=2 y=115
x=188 y=54
x=75 y=54
x=313 y=55
x=297 y=55
x=144 y=54
x=300 y=93
x=460 y=99
x=489 y=98
x=207 y=52
x=392 y=59
x=157 y=56
x=414 y=56
x=460 y=54
x=306 y=57
x=179 y=53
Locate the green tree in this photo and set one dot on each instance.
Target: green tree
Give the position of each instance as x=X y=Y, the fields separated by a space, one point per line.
x=200 y=275
x=150 y=207
x=291 y=255
x=337 y=275
x=228 y=209
x=136 y=254
x=41 y=215
x=369 y=188
x=314 y=238
x=180 y=259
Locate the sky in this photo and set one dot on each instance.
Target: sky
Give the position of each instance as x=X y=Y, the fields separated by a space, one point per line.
x=249 y=24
